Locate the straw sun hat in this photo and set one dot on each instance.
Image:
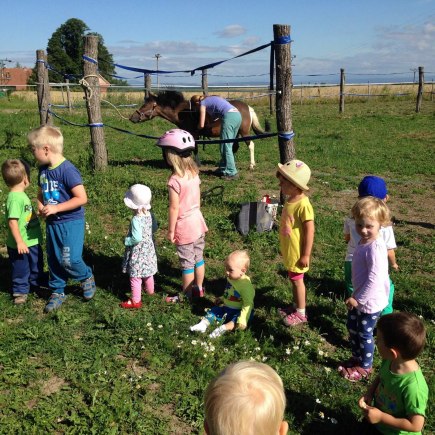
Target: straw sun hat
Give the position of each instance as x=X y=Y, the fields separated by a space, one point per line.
x=296 y=172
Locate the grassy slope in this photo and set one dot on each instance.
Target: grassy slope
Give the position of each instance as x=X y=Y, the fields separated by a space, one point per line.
x=91 y=367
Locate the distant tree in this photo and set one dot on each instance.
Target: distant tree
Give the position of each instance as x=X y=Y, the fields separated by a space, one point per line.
x=65 y=51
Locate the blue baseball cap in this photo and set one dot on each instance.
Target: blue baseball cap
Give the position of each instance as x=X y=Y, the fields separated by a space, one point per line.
x=372 y=186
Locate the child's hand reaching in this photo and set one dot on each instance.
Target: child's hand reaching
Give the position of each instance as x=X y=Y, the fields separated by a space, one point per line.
x=351 y=303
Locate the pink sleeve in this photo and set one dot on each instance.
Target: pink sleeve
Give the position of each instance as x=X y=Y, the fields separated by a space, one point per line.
x=174 y=184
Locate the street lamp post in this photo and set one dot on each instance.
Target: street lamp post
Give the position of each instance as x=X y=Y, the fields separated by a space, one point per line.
x=157 y=56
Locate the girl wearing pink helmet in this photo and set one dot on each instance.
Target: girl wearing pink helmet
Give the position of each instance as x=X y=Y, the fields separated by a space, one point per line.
x=186 y=227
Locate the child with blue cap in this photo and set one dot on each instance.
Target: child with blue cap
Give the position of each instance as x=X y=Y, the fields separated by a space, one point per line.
x=371 y=185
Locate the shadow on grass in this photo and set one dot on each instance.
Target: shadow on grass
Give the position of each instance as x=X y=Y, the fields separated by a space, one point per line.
x=300 y=404
x=419 y=224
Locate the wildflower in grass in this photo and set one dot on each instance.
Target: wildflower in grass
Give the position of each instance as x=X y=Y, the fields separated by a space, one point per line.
x=327 y=369
x=333 y=420
x=225 y=349
x=194 y=342
x=307 y=343
x=257 y=349
x=264 y=358
x=149 y=324
x=296 y=347
x=205 y=355
x=318 y=401
x=150 y=328
x=140 y=338
x=105 y=237
x=160 y=326
x=321 y=415
x=271 y=337
x=321 y=352
x=288 y=351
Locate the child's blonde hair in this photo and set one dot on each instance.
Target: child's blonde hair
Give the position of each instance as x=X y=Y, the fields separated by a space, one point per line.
x=372 y=208
x=246 y=398
x=241 y=256
x=181 y=165
x=14 y=171
x=46 y=135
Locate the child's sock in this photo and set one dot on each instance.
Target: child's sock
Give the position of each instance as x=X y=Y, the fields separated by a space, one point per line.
x=201 y=326
x=301 y=311
x=218 y=332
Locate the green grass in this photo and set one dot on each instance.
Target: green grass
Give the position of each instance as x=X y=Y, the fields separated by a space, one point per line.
x=94 y=368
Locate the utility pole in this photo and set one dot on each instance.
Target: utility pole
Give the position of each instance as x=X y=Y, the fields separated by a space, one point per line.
x=3 y=78
x=157 y=56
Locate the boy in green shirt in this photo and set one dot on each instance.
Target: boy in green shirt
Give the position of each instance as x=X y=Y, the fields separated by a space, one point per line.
x=24 y=232
x=396 y=401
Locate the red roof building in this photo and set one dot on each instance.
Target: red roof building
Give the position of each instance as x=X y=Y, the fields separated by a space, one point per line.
x=15 y=77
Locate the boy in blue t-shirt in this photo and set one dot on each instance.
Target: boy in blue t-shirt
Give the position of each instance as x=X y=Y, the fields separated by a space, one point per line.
x=60 y=201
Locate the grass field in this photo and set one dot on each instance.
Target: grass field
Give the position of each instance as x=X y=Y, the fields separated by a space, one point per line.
x=95 y=368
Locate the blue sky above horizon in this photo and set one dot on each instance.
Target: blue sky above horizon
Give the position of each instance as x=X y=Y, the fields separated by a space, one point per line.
x=365 y=37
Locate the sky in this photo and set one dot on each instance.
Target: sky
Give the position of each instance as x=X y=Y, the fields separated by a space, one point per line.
x=366 y=37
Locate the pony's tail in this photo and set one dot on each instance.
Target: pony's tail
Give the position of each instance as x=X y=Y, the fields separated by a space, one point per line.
x=255 y=123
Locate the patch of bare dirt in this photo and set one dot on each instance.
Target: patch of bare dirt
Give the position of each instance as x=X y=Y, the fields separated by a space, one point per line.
x=52 y=386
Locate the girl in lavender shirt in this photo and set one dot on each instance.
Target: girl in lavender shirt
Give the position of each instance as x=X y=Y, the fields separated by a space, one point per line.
x=371 y=286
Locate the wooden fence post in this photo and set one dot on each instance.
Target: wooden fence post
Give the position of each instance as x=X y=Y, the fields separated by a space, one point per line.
x=283 y=98
x=147 y=83
x=43 y=88
x=271 y=73
x=204 y=82
x=420 y=88
x=68 y=95
x=342 y=84
x=91 y=87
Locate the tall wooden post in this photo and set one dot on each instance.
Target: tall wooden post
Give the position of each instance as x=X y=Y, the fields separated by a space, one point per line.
x=283 y=105
x=91 y=87
x=271 y=74
x=342 y=84
x=420 y=88
x=68 y=95
x=43 y=88
x=147 y=83
x=204 y=82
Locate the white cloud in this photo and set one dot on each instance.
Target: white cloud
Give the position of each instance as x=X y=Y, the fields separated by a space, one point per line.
x=231 y=31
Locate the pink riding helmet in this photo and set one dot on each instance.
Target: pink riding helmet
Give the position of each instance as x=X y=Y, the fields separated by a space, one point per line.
x=178 y=140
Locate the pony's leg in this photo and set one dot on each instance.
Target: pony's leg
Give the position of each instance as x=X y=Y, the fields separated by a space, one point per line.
x=251 y=147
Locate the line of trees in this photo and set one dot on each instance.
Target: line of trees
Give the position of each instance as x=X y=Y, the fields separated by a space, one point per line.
x=65 y=50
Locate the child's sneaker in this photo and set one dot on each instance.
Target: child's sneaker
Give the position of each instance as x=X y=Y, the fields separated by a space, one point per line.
x=198 y=292
x=284 y=312
x=295 y=318
x=88 y=286
x=20 y=299
x=55 y=301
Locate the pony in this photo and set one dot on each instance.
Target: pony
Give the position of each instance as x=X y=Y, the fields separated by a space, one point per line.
x=172 y=106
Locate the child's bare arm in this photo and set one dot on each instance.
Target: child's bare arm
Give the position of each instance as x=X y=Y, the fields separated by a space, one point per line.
x=174 y=205
x=78 y=199
x=412 y=423
x=392 y=259
x=367 y=399
x=304 y=260
x=15 y=230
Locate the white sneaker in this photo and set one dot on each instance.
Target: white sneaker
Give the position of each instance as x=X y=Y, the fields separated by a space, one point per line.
x=199 y=327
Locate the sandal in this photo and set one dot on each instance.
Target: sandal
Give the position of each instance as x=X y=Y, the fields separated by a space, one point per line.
x=353 y=361
x=354 y=374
